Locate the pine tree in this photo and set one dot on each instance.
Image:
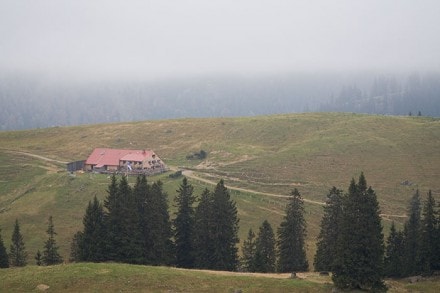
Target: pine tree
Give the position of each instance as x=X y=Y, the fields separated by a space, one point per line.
x=76 y=247
x=394 y=252
x=118 y=221
x=265 y=255
x=17 y=252
x=326 y=242
x=360 y=248
x=291 y=237
x=248 y=252
x=38 y=258
x=412 y=234
x=92 y=245
x=428 y=253
x=184 y=226
x=4 y=259
x=160 y=247
x=142 y=194
x=437 y=240
x=203 y=240
x=224 y=230
x=50 y=253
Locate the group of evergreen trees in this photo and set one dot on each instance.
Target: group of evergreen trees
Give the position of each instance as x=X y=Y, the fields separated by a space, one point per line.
x=415 y=249
x=350 y=243
x=263 y=253
x=17 y=256
x=134 y=226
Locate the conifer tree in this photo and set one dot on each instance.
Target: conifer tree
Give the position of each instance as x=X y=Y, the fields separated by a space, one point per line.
x=119 y=221
x=291 y=237
x=92 y=246
x=412 y=234
x=4 y=259
x=224 y=230
x=326 y=242
x=265 y=255
x=184 y=226
x=130 y=250
x=50 y=252
x=203 y=240
x=248 y=252
x=38 y=258
x=360 y=248
x=394 y=253
x=160 y=247
x=428 y=254
x=17 y=252
x=142 y=194
x=75 y=247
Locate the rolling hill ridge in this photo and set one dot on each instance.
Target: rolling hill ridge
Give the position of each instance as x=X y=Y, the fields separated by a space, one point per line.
x=261 y=159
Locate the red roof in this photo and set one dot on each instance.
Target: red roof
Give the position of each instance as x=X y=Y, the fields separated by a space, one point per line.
x=111 y=157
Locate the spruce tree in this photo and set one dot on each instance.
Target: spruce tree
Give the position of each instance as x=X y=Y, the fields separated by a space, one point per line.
x=38 y=258
x=394 y=253
x=50 y=252
x=265 y=255
x=203 y=240
x=428 y=254
x=17 y=252
x=4 y=259
x=291 y=237
x=360 y=248
x=76 y=247
x=248 y=252
x=326 y=241
x=92 y=247
x=184 y=226
x=160 y=247
x=142 y=194
x=412 y=234
x=437 y=240
x=224 y=230
x=119 y=221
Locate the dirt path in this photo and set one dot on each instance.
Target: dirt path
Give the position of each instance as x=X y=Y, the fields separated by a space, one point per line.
x=36 y=156
x=190 y=174
x=310 y=276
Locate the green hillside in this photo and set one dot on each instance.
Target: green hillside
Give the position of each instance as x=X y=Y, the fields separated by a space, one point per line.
x=133 y=278
x=268 y=155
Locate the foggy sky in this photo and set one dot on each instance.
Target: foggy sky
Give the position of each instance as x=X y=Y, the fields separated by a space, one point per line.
x=151 y=39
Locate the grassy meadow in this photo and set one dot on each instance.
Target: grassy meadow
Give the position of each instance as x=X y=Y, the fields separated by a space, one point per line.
x=258 y=157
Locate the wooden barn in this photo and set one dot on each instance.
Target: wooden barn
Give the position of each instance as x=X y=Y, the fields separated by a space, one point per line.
x=131 y=161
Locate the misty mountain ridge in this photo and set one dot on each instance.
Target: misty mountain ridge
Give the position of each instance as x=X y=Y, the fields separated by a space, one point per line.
x=38 y=102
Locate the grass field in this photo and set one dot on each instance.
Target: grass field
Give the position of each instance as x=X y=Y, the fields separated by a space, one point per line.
x=111 y=277
x=266 y=154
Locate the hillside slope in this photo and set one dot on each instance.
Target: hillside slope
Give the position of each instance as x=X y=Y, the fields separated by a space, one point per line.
x=269 y=155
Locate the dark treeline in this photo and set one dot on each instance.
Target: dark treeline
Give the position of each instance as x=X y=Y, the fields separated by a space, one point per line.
x=133 y=226
x=415 y=95
x=351 y=245
x=38 y=102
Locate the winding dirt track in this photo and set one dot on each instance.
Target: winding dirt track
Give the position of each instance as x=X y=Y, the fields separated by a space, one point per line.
x=36 y=156
x=190 y=174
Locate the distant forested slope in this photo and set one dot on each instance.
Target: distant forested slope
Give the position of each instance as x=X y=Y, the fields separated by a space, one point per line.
x=28 y=101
